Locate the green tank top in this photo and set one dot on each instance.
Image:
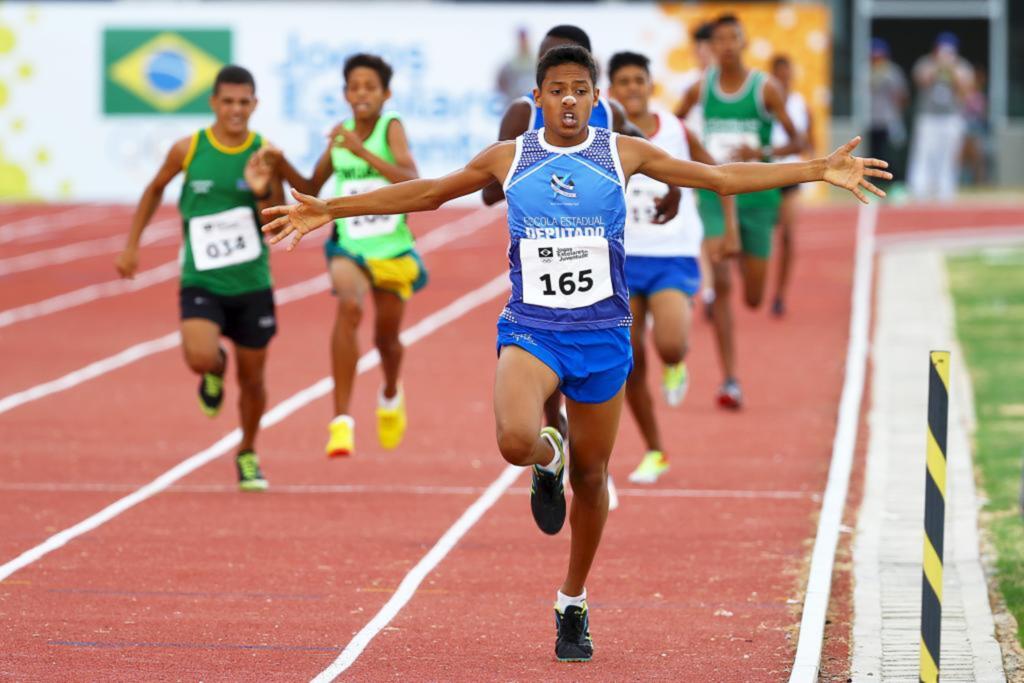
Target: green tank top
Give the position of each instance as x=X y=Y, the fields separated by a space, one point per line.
x=223 y=249
x=377 y=237
x=735 y=120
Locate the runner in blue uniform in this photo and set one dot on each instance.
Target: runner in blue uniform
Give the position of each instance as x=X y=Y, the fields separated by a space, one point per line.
x=525 y=114
x=567 y=320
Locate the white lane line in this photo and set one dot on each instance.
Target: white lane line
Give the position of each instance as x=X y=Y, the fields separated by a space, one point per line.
x=953 y=238
x=430 y=241
x=424 y=328
x=99 y=246
x=819 y=581
x=405 y=489
x=433 y=240
x=415 y=577
x=62 y=302
x=70 y=217
x=90 y=371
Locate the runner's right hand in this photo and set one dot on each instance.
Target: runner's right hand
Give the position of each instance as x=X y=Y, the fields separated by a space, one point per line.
x=127 y=262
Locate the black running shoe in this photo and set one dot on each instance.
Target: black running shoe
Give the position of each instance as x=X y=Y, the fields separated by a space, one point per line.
x=211 y=388
x=547 y=495
x=250 y=476
x=573 y=643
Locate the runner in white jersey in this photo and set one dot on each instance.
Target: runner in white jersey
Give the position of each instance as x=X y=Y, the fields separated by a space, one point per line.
x=662 y=256
x=800 y=115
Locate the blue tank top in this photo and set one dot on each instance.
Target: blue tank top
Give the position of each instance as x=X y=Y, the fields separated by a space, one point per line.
x=600 y=115
x=566 y=218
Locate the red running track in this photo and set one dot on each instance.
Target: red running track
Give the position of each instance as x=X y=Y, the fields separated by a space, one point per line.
x=696 y=580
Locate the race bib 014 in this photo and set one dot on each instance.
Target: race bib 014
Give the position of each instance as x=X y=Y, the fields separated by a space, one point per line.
x=566 y=272
x=224 y=239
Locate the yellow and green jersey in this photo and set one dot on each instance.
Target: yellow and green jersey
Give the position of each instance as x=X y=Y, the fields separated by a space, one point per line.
x=223 y=250
x=372 y=237
x=736 y=120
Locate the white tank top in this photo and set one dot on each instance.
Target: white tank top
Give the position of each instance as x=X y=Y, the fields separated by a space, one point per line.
x=796 y=107
x=682 y=235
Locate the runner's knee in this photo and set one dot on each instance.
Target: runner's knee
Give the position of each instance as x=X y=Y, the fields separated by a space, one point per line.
x=350 y=310
x=202 y=360
x=672 y=351
x=589 y=482
x=516 y=444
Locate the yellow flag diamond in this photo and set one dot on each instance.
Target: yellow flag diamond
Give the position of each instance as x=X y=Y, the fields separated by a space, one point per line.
x=166 y=72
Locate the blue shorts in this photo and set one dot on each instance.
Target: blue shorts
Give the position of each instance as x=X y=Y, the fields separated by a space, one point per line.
x=646 y=275
x=592 y=365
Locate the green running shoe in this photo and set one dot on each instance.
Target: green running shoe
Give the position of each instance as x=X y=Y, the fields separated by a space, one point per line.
x=675 y=382
x=211 y=388
x=250 y=477
x=650 y=468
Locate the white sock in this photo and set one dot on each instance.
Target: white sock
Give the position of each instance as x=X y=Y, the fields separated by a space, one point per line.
x=565 y=601
x=389 y=403
x=556 y=461
x=344 y=418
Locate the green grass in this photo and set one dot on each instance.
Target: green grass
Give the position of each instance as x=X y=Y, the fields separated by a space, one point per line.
x=988 y=295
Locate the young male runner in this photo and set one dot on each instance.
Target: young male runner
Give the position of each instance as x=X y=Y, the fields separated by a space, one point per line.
x=524 y=114
x=800 y=115
x=566 y=322
x=375 y=253
x=662 y=260
x=225 y=273
x=740 y=106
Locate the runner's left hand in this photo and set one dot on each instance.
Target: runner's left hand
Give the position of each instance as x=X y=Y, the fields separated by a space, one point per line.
x=844 y=170
x=347 y=139
x=296 y=219
x=746 y=153
x=666 y=208
x=259 y=170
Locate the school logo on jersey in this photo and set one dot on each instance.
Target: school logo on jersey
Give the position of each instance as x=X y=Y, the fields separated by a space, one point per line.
x=563 y=185
x=161 y=71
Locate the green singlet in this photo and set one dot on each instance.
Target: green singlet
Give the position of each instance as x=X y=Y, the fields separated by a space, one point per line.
x=223 y=250
x=367 y=237
x=731 y=121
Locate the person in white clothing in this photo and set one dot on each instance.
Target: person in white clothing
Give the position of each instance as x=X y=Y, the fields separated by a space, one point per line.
x=800 y=115
x=662 y=266
x=943 y=79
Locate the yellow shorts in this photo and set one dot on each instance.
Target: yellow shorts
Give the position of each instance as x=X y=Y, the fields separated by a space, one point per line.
x=402 y=275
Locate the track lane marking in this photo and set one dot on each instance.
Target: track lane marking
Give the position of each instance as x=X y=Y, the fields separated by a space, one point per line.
x=431 y=241
x=819 y=580
x=422 y=329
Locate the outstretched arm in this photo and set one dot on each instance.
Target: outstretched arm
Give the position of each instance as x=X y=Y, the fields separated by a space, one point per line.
x=840 y=168
x=414 y=195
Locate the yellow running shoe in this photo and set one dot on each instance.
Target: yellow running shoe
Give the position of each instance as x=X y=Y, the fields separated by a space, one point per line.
x=391 y=419
x=342 y=440
x=675 y=382
x=650 y=468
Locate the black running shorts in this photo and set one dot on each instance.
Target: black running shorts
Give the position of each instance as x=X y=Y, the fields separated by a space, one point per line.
x=246 y=319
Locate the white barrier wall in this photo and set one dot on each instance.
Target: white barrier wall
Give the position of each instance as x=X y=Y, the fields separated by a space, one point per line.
x=62 y=137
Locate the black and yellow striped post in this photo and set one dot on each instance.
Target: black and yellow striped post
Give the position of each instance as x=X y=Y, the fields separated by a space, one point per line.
x=934 y=515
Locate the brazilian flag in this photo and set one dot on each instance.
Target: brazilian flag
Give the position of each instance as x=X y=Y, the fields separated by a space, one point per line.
x=162 y=71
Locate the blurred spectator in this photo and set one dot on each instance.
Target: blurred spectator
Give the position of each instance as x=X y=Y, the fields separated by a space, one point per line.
x=889 y=97
x=943 y=79
x=977 y=143
x=518 y=75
